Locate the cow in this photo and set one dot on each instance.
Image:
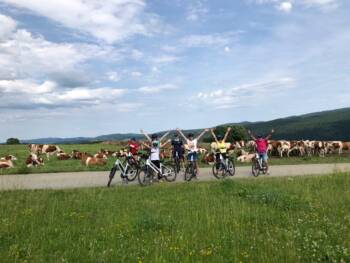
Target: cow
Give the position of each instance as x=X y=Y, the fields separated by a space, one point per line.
x=6 y=164
x=107 y=152
x=47 y=149
x=61 y=155
x=346 y=146
x=89 y=161
x=8 y=158
x=101 y=156
x=246 y=158
x=335 y=145
x=34 y=160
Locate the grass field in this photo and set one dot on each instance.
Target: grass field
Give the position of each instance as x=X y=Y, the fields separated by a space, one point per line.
x=54 y=165
x=304 y=219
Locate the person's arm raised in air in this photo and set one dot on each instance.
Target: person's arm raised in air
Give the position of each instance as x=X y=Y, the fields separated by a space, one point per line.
x=164 y=144
x=145 y=145
x=251 y=135
x=270 y=135
x=165 y=135
x=203 y=132
x=227 y=133
x=181 y=133
x=146 y=135
x=214 y=136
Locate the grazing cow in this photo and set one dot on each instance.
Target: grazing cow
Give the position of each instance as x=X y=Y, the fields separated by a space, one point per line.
x=346 y=146
x=76 y=154
x=8 y=158
x=61 y=155
x=90 y=161
x=246 y=158
x=34 y=160
x=251 y=145
x=101 y=156
x=44 y=149
x=335 y=145
x=320 y=148
x=6 y=164
x=107 y=152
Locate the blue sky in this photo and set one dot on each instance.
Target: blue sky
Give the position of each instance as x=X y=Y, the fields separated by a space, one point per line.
x=86 y=68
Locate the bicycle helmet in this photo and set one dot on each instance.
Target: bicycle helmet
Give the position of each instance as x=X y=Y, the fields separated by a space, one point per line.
x=190 y=135
x=154 y=136
x=219 y=137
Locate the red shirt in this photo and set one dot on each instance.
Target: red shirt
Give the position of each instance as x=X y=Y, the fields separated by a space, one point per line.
x=261 y=145
x=134 y=147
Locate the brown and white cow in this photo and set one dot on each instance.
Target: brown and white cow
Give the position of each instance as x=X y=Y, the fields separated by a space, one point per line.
x=91 y=161
x=8 y=158
x=5 y=164
x=47 y=149
x=101 y=156
x=62 y=156
x=34 y=160
x=334 y=146
x=246 y=158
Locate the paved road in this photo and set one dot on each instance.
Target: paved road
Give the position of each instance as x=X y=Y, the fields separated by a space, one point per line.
x=96 y=179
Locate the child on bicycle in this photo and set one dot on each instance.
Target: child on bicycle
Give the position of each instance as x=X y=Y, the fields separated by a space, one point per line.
x=133 y=146
x=262 y=147
x=192 y=144
x=220 y=145
x=178 y=147
x=154 y=147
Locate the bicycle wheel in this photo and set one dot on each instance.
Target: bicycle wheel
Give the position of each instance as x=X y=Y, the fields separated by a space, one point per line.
x=231 y=168
x=189 y=172
x=111 y=175
x=219 y=170
x=144 y=177
x=255 y=169
x=131 y=172
x=169 y=173
x=177 y=165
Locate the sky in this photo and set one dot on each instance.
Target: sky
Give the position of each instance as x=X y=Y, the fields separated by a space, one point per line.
x=73 y=68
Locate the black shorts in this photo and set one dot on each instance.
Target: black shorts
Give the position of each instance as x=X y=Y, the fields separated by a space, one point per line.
x=156 y=163
x=224 y=155
x=180 y=154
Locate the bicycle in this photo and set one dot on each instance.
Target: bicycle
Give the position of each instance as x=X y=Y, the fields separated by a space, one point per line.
x=128 y=169
x=149 y=170
x=258 y=166
x=223 y=168
x=177 y=162
x=190 y=170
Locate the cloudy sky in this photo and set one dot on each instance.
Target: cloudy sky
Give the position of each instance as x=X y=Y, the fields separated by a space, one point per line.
x=89 y=67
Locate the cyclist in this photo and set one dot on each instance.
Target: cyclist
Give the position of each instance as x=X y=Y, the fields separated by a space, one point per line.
x=192 y=144
x=133 y=146
x=178 y=147
x=220 y=146
x=154 y=147
x=262 y=147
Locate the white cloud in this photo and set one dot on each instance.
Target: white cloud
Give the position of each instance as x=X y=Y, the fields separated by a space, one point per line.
x=24 y=56
x=227 y=49
x=244 y=94
x=110 y=21
x=164 y=59
x=8 y=25
x=205 y=40
x=157 y=88
x=113 y=76
x=129 y=106
x=136 y=74
x=26 y=86
x=196 y=11
x=285 y=7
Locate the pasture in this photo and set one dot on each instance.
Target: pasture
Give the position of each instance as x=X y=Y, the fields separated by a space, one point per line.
x=300 y=219
x=72 y=165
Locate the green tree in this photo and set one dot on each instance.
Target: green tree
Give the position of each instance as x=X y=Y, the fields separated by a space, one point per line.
x=237 y=133
x=12 y=141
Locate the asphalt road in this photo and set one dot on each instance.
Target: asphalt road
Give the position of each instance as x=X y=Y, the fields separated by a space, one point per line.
x=99 y=179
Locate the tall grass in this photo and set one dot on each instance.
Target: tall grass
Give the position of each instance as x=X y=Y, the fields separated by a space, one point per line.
x=262 y=220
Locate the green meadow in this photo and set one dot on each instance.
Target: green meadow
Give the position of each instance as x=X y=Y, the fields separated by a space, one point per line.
x=299 y=219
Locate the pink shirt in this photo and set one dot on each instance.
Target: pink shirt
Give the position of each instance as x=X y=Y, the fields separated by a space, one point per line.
x=261 y=145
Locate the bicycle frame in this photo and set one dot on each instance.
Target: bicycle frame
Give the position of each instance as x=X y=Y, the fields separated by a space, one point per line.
x=120 y=166
x=260 y=161
x=157 y=170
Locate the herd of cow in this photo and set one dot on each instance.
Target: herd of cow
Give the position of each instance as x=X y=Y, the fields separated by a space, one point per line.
x=244 y=152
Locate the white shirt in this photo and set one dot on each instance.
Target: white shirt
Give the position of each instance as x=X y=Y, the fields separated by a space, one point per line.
x=155 y=154
x=192 y=145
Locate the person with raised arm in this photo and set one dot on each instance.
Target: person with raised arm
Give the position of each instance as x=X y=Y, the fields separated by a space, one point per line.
x=262 y=146
x=192 y=144
x=155 y=146
x=220 y=145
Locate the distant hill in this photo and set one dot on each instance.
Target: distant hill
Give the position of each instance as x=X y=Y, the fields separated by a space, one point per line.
x=326 y=125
